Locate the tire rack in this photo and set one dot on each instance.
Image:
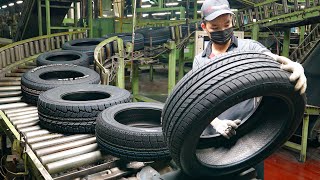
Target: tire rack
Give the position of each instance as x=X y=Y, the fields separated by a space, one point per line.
x=50 y=155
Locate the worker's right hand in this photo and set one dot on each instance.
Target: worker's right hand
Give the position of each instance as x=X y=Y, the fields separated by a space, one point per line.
x=227 y=128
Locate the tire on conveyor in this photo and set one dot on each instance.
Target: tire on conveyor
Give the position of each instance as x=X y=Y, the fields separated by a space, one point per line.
x=73 y=109
x=63 y=57
x=86 y=45
x=205 y=93
x=158 y=35
x=43 y=78
x=127 y=37
x=132 y=131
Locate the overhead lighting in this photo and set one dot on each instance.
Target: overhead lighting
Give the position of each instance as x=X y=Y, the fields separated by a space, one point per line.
x=151 y=2
x=234 y=10
x=19 y=2
x=302 y=7
x=160 y=14
x=198 y=12
x=145 y=15
x=200 y=2
x=177 y=12
x=11 y=4
x=129 y=15
x=4 y=6
x=146 y=5
x=172 y=4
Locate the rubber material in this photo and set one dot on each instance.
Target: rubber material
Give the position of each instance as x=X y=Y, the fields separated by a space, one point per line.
x=132 y=131
x=73 y=109
x=158 y=35
x=205 y=93
x=86 y=45
x=63 y=57
x=43 y=78
x=127 y=37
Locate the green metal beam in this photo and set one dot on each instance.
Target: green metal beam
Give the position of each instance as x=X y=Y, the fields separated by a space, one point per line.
x=246 y=2
x=286 y=43
x=90 y=18
x=155 y=9
x=302 y=31
x=39 y=18
x=264 y=3
x=172 y=66
x=255 y=32
x=48 y=20
x=288 y=18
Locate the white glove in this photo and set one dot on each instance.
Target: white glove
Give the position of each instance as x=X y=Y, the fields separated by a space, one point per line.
x=225 y=127
x=296 y=69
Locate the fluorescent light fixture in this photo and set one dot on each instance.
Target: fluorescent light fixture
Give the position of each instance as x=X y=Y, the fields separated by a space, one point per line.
x=129 y=15
x=11 y=4
x=151 y=2
x=172 y=4
x=180 y=0
x=145 y=15
x=145 y=0
x=234 y=10
x=200 y=2
x=160 y=13
x=4 y=6
x=302 y=7
x=177 y=13
x=198 y=12
x=19 y=2
x=146 y=5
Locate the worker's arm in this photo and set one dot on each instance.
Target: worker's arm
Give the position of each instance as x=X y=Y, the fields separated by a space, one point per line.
x=226 y=128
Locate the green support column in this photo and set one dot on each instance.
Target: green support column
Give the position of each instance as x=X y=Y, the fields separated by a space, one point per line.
x=304 y=140
x=286 y=43
x=135 y=81
x=195 y=9
x=90 y=18
x=48 y=20
x=40 y=18
x=302 y=31
x=181 y=64
x=255 y=32
x=75 y=13
x=172 y=66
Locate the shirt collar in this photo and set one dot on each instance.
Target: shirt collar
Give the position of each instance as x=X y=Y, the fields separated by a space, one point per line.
x=207 y=52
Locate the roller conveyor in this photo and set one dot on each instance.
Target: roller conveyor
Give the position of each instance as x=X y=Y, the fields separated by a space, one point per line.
x=55 y=156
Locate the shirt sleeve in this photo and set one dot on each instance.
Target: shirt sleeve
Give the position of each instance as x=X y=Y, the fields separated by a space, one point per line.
x=257 y=46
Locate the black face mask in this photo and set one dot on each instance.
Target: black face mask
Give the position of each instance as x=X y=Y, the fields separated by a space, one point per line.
x=221 y=37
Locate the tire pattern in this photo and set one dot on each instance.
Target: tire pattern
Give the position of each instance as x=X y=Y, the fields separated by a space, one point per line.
x=32 y=85
x=132 y=143
x=205 y=93
x=67 y=116
x=83 y=59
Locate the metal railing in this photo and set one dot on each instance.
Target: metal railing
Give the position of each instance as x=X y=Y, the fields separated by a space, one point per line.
x=306 y=46
x=27 y=50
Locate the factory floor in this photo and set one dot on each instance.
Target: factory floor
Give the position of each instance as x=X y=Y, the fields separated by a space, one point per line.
x=282 y=165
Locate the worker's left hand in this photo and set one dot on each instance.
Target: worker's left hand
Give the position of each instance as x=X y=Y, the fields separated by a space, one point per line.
x=297 y=70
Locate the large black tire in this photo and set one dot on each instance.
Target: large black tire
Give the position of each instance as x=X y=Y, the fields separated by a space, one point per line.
x=83 y=45
x=63 y=57
x=43 y=78
x=73 y=109
x=205 y=93
x=132 y=131
x=158 y=35
x=127 y=37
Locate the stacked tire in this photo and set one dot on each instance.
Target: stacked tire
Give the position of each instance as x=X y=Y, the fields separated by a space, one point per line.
x=127 y=37
x=43 y=78
x=63 y=57
x=132 y=131
x=155 y=35
x=86 y=45
x=74 y=109
x=207 y=92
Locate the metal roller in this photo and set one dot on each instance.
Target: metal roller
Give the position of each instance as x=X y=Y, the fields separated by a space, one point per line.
x=29 y=129
x=10 y=93
x=68 y=153
x=14 y=74
x=59 y=141
x=10 y=88
x=43 y=138
x=15 y=114
x=11 y=79
x=19 y=110
x=27 y=116
x=73 y=162
x=12 y=106
x=36 y=133
x=11 y=83
x=54 y=149
x=19 y=126
x=25 y=121
x=10 y=100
